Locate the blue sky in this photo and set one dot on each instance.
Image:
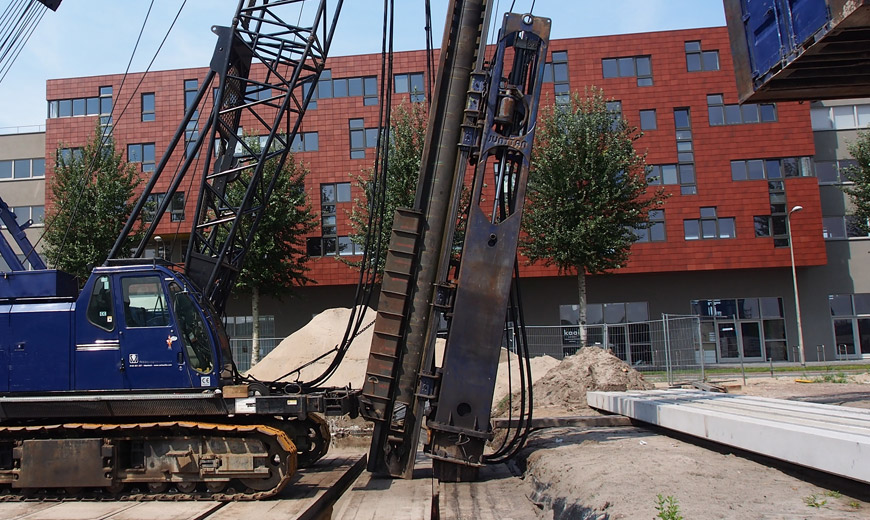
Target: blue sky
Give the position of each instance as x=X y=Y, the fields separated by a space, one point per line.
x=93 y=37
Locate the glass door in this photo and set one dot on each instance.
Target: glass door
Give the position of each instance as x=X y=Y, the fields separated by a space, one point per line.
x=844 y=337
x=864 y=335
x=751 y=341
x=728 y=346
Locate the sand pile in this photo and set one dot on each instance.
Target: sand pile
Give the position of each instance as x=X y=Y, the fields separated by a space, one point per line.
x=320 y=335
x=540 y=366
x=562 y=390
x=326 y=329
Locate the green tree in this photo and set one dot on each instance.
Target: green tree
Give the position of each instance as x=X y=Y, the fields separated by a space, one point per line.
x=859 y=192
x=587 y=191
x=92 y=197
x=277 y=259
x=407 y=137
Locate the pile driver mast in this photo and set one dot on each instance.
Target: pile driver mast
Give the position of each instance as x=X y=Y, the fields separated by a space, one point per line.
x=482 y=117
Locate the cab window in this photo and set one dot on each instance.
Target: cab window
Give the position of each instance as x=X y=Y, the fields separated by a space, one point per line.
x=100 y=306
x=144 y=303
x=192 y=330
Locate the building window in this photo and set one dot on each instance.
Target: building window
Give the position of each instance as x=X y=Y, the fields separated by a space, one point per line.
x=361 y=138
x=412 y=84
x=841 y=228
x=148 y=113
x=328 y=243
x=834 y=172
x=22 y=169
x=67 y=155
x=257 y=92
x=556 y=72
x=359 y=86
x=175 y=209
x=620 y=327
x=700 y=60
x=648 y=120
x=850 y=315
x=685 y=152
x=332 y=193
x=847 y=117
x=100 y=105
x=191 y=87
x=656 y=230
x=305 y=142
x=629 y=67
x=337 y=245
x=749 y=328
x=614 y=110
x=771 y=169
x=142 y=153
x=25 y=213
x=191 y=133
x=709 y=226
x=722 y=114
x=240 y=330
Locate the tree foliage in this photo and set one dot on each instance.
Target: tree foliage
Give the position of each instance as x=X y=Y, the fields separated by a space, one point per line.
x=276 y=261
x=92 y=197
x=407 y=137
x=859 y=192
x=587 y=190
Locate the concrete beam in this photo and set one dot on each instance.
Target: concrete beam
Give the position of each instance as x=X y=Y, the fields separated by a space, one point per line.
x=829 y=438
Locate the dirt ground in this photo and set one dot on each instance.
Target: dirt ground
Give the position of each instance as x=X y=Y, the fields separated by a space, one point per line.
x=619 y=473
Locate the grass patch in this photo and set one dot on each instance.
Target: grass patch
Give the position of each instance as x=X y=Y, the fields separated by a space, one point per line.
x=839 y=377
x=668 y=508
x=814 y=501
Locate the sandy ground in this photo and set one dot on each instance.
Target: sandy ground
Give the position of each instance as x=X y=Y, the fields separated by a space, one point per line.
x=618 y=473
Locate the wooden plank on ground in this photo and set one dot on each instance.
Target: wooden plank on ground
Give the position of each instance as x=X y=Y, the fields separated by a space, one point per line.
x=377 y=498
x=75 y=510
x=165 y=511
x=309 y=496
x=16 y=510
x=496 y=495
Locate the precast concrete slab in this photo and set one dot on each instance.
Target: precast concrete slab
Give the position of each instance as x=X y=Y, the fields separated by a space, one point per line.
x=834 y=439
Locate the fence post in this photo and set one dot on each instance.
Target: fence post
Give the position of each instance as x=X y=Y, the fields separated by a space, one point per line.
x=697 y=322
x=670 y=375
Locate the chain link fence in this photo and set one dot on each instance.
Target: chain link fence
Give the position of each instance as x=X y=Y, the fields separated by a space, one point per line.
x=241 y=348
x=668 y=349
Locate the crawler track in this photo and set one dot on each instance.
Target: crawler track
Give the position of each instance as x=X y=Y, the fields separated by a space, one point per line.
x=168 y=461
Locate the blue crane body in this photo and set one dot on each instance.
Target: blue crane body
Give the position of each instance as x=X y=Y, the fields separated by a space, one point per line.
x=129 y=382
x=132 y=327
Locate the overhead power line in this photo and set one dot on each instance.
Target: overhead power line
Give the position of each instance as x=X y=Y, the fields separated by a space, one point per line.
x=17 y=23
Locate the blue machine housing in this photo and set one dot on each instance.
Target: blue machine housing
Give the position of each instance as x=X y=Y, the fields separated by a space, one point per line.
x=132 y=328
x=794 y=50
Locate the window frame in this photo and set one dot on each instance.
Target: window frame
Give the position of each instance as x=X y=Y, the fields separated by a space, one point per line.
x=149 y=115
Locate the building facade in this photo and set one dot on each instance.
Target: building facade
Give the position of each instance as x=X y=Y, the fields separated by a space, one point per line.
x=719 y=248
x=22 y=184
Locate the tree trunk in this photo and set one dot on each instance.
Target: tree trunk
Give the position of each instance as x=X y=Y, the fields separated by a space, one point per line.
x=255 y=329
x=581 y=289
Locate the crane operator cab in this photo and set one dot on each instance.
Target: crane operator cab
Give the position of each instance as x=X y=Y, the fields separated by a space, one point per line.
x=142 y=327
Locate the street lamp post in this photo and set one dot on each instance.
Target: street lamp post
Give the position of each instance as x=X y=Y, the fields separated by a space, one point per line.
x=797 y=301
x=159 y=240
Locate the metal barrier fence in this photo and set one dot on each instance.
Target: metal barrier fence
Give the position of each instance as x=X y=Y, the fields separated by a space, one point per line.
x=241 y=348
x=667 y=349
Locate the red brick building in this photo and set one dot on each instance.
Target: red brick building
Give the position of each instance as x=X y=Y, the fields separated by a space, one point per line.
x=720 y=246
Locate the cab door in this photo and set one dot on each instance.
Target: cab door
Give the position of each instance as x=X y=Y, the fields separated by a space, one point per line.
x=151 y=353
x=195 y=337
x=97 y=356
